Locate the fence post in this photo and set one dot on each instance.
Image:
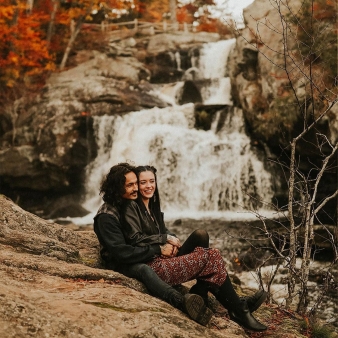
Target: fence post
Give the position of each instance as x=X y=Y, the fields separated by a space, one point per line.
x=176 y=26
x=185 y=27
x=135 y=25
x=165 y=25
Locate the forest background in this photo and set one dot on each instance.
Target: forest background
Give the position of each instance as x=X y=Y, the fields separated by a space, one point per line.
x=37 y=36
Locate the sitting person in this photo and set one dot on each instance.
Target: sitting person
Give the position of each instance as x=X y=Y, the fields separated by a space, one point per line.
x=119 y=186
x=143 y=226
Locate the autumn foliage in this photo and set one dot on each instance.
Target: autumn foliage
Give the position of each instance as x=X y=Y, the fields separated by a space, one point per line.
x=24 y=53
x=33 y=37
x=37 y=34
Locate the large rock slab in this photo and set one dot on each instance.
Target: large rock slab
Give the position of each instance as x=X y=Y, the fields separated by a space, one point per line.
x=52 y=284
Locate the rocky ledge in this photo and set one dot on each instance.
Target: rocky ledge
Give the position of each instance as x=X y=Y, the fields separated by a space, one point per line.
x=52 y=285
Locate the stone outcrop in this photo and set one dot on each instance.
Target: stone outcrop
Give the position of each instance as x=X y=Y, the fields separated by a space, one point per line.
x=52 y=285
x=261 y=88
x=46 y=141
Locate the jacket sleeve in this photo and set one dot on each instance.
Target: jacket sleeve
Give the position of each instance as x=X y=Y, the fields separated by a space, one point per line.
x=110 y=235
x=134 y=231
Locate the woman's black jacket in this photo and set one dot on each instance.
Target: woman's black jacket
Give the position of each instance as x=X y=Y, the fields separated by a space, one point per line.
x=139 y=228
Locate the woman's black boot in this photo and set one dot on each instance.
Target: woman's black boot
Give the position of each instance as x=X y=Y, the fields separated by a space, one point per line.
x=256 y=300
x=238 y=309
x=242 y=316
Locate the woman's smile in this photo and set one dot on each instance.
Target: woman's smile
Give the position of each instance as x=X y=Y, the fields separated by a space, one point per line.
x=147 y=184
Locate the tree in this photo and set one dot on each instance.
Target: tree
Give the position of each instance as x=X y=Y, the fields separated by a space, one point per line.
x=80 y=12
x=77 y=17
x=24 y=52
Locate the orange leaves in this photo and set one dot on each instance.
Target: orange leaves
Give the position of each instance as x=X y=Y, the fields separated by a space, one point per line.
x=23 y=47
x=185 y=15
x=324 y=9
x=6 y=13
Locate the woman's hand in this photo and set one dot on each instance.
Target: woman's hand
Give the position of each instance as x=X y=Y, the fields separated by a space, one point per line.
x=168 y=250
x=173 y=241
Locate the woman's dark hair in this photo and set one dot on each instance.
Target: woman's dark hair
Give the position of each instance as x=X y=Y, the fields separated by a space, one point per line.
x=112 y=187
x=154 y=202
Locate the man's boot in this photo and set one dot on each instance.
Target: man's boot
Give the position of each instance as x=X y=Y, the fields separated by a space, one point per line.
x=201 y=288
x=193 y=305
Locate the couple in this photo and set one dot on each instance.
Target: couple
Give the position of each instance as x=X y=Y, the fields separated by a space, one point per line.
x=135 y=242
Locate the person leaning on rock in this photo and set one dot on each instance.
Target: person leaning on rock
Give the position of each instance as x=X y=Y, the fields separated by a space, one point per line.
x=119 y=186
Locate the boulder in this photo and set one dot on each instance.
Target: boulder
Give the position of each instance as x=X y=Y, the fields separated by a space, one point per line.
x=260 y=85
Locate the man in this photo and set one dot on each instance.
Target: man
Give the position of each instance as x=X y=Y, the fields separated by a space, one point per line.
x=121 y=184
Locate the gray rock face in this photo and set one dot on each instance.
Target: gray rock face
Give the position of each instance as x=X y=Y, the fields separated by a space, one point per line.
x=261 y=88
x=256 y=79
x=45 y=150
x=256 y=65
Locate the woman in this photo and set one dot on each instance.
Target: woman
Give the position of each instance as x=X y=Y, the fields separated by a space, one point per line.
x=144 y=225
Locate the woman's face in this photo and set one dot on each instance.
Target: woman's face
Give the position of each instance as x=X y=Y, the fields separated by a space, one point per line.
x=146 y=184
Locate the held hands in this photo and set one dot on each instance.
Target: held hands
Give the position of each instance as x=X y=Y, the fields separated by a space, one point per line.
x=168 y=250
x=173 y=241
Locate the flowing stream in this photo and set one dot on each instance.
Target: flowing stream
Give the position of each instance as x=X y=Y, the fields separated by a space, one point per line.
x=200 y=173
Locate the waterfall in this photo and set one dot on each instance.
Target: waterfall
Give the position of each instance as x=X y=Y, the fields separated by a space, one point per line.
x=200 y=173
x=178 y=60
x=212 y=63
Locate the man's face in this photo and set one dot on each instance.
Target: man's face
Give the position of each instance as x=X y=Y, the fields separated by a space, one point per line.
x=130 y=186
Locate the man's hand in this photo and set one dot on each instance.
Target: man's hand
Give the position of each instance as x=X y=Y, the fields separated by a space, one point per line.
x=168 y=250
x=173 y=241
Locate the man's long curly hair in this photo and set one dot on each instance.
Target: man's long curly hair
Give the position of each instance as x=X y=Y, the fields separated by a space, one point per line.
x=112 y=187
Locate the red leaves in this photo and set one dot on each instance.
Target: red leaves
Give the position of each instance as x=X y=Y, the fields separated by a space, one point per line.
x=23 y=47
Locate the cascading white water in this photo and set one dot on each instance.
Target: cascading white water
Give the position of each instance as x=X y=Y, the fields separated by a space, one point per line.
x=200 y=173
x=212 y=63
